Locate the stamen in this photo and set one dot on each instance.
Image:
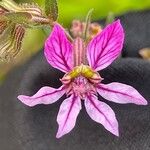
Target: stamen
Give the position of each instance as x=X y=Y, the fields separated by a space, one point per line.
x=80 y=86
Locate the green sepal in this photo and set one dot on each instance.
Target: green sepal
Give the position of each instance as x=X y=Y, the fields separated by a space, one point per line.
x=51 y=9
x=19 y=17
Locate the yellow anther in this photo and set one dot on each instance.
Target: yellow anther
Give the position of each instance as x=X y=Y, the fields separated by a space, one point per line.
x=87 y=71
x=82 y=70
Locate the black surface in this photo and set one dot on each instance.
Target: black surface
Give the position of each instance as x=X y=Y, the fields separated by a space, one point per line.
x=137 y=32
x=24 y=128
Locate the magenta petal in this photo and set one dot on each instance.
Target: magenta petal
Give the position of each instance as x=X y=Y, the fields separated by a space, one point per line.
x=121 y=93
x=45 y=95
x=67 y=115
x=102 y=113
x=58 y=50
x=106 y=46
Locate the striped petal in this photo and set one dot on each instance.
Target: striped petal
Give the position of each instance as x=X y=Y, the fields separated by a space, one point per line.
x=101 y=113
x=121 y=93
x=106 y=46
x=58 y=50
x=45 y=95
x=67 y=115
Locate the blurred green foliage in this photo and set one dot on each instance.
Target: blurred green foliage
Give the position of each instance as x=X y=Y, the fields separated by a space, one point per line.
x=69 y=10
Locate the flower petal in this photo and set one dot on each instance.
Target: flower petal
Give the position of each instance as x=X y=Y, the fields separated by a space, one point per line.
x=46 y=95
x=106 y=46
x=58 y=50
x=121 y=93
x=67 y=115
x=102 y=113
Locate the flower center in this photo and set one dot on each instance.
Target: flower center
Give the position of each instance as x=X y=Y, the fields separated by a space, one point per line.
x=80 y=86
x=81 y=81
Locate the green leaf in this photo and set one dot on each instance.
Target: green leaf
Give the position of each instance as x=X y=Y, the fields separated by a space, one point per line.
x=51 y=9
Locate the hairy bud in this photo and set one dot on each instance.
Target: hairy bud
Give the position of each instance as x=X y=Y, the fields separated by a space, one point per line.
x=11 y=41
x=14 y=19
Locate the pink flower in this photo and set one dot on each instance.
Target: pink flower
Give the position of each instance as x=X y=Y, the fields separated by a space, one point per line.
x=81 y=61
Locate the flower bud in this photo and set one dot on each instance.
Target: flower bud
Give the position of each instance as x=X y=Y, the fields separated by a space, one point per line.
x=10 y=43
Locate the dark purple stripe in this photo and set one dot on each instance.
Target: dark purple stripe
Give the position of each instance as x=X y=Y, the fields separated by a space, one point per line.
x=103 y=46
x=49 y=93
x=72 y=104
x=92 y=102
x=60 y=55
x=113 y=91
